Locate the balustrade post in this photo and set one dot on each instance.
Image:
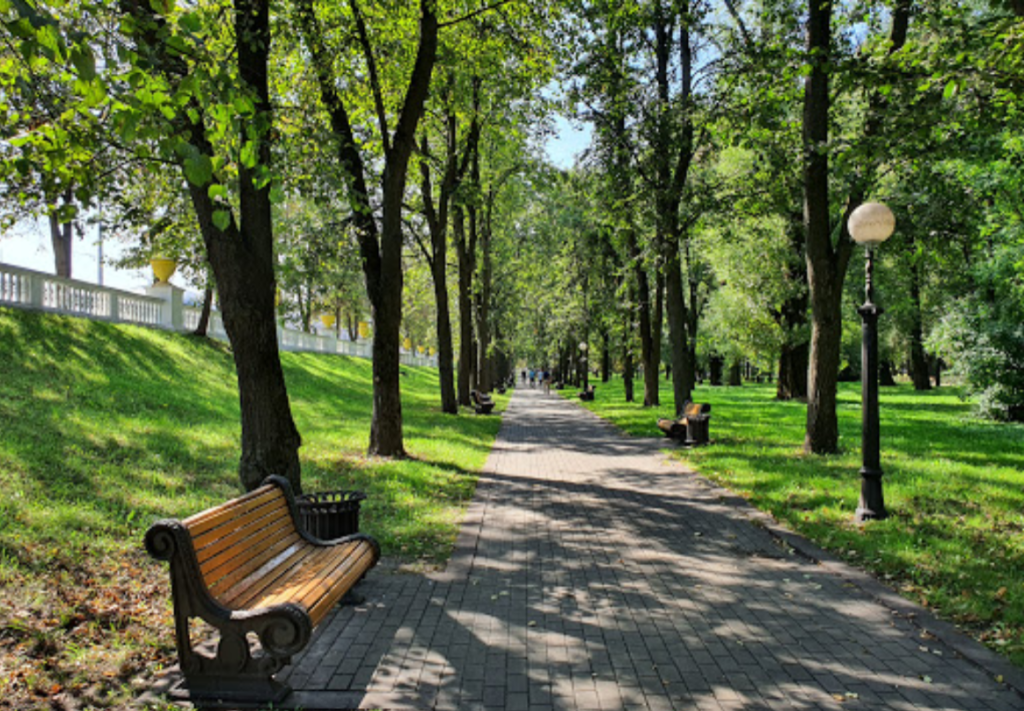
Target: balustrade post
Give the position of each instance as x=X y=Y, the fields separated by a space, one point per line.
x=35 y=292
x=172 y=311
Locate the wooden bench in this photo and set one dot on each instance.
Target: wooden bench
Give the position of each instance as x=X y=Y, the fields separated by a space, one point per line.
x=482 y=402
x=246 y=568
x=692 y=427
x=587 y=394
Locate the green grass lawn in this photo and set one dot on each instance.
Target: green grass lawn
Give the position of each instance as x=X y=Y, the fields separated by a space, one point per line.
x=105 y=428
x=954 y=488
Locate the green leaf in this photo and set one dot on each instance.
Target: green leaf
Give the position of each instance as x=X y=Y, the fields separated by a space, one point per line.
x=951 y=89
x=84 y=62
x=243 y=105
x=249 y=155
x=221 y=219
x=190 y=22
x=217 y=191
x=198 y=170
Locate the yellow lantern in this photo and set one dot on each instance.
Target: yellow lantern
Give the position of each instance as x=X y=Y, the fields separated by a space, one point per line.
x=364 y=329
x=419 y=349
x=433 y=351
x=328 y=320
x=407 y=344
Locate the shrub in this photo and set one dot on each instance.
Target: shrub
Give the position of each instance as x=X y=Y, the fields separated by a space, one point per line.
x=984 y=342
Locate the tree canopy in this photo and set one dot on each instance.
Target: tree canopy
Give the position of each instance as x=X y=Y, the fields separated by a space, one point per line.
x=386 y=164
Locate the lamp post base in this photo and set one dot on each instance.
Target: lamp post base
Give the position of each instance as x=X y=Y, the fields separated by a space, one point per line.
x=872 y=502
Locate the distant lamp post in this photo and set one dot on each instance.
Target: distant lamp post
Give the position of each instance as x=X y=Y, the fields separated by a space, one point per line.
x=870 y=225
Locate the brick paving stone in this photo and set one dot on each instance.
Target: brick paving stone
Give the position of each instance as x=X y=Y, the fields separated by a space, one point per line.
x=592 y=574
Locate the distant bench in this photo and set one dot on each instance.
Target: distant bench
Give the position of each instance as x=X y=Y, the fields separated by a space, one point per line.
x=482 y=402
x=692 y=427
x=587 y=394
x=246 y=568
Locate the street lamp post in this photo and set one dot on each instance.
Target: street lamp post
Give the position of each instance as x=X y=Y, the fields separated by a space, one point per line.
x=870 y=225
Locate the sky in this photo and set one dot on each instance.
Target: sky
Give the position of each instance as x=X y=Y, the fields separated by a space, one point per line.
x=28 y=246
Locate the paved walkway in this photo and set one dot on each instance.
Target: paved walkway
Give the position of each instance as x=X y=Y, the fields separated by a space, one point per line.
x=593 y=574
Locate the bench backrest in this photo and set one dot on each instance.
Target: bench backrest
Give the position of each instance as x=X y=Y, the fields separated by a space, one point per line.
x=235 y=540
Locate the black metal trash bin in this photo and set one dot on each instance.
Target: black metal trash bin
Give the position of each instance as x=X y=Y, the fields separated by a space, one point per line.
x=330 y=514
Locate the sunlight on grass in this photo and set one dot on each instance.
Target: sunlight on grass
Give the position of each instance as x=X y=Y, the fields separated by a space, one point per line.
x=107 y=428
x=954 y=487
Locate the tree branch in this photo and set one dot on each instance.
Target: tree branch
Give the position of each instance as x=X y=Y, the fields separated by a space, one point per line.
x=371 y=63
x=730 y=5
x=470 y=16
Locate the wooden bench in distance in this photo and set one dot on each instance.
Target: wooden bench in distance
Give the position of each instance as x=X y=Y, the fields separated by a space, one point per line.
x=246 y=568
x=482 y=402
x=692 y=428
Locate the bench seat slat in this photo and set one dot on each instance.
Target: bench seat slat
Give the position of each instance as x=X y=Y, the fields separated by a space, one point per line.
x=256 y=537
x=347 y=577
x=256 y=584
x=306 y=575
x=304 y=579
x=323 y=582
x=247 y=567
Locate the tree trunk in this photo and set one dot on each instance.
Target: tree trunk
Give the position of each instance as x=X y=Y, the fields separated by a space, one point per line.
x=736 y=374
x=671 y=180
x=715 y=365
x=885 y=377
x=445 y=349
x=627 y=367
x=61 y=238
x=657 y=319
x=918 y=358
x=437 y=222
x=241 y=255
x=824 y=278
x=467 y=260
x=792 y=319
x=204 y=315
x=792 y=383
x=644 y=313
x=483 y=327
x=242 y=259
x=381 y=251
x=826 y=264
x=677 y=324
x=606 y=356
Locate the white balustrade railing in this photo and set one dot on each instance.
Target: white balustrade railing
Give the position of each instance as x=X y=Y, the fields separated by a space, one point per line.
x=46 y=292
x=162 y=307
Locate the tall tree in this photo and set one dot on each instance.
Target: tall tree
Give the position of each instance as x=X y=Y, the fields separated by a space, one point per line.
x=453 y=163
x=240 y=249
x=380 y=244
x=828 y=256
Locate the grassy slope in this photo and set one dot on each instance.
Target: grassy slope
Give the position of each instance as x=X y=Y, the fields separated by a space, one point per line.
x=954 y=487
x=104 y=428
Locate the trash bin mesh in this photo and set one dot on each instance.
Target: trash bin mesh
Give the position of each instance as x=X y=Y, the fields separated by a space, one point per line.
x=330 y=514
